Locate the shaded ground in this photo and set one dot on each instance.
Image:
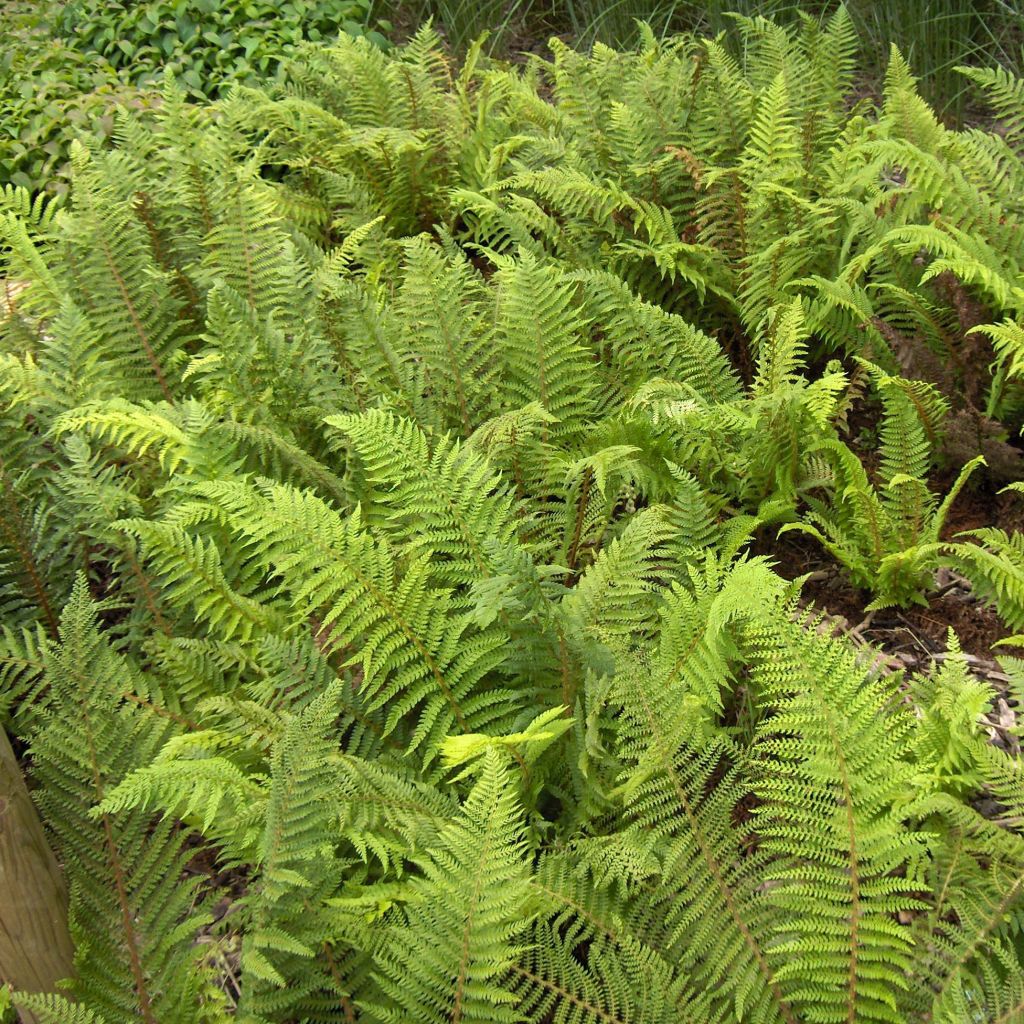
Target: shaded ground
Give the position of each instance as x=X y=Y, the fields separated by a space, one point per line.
x=915 y=639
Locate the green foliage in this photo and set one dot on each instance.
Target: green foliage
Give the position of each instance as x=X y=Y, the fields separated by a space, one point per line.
x=206 y=43
x=133 y=919
x=393 y=439
x=938 y=35
x=48 y=90
x=67 y=68
x=995 y=566
x=887 y=532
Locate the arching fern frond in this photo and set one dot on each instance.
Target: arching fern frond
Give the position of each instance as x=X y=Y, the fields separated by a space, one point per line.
x=427 y=664
x=124 y=870
x=450 y=948
x=436 y=496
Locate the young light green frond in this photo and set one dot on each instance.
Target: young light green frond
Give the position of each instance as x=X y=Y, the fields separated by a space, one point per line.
x=37 y=210
x=25 y=259
x=947 y=746
x=994 y=564
x=905 y=456
x=192 y=781
x=734 y=107
x=696 y=647
x=772 y=150
x=427 y=664
x=179 y=436
x=451 y=948
x=842 y=861
x=436 y=496
x=1008 y=338
x=783 y=348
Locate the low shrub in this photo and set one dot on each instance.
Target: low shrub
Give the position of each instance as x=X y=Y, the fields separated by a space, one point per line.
x=49 y=90
x=66 y=68
x=207 y=44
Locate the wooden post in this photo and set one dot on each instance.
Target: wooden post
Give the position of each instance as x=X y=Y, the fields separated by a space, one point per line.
x=35 y=945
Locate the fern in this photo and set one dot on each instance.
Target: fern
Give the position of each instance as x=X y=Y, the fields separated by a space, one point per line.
x=413 y=647
x=887 y=534
x=470 y=905
x=413 y=441
x=830 y=785
x=539 y=341
x=994 y=565
x=446 y=500
x=288 y=920
x=124 y=872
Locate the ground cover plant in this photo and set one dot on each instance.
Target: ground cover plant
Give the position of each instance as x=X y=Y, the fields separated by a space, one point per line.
x=392 y=461
x=66 y=67
x=48 y=89
x=208 y=44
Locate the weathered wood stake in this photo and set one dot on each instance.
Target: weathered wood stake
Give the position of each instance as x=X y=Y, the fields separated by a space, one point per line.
x=35 y=944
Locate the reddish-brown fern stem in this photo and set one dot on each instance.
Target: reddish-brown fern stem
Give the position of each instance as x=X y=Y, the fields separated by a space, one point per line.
x=581 y=512
x=133 y=313
x=120 y=885
x=346 y=1004
x=12 y=526
x=143 y=208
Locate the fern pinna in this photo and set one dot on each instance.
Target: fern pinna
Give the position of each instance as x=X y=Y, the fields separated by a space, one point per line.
x=382 y=456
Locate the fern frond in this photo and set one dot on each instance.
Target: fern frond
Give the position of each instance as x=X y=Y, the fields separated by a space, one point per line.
x=615 y=600
x=53 y=1009
x=442 y=305
x=450 y=949
x=123 y=869
x=995 y=566
x=437 y=497
x=1006 y=92
x=540 y=334
x=832 y=773
x=289 y=933
x=414 y=651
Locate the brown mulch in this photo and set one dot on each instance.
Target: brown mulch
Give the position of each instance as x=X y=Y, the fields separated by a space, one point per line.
x=920 y=629
x=915 y=639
